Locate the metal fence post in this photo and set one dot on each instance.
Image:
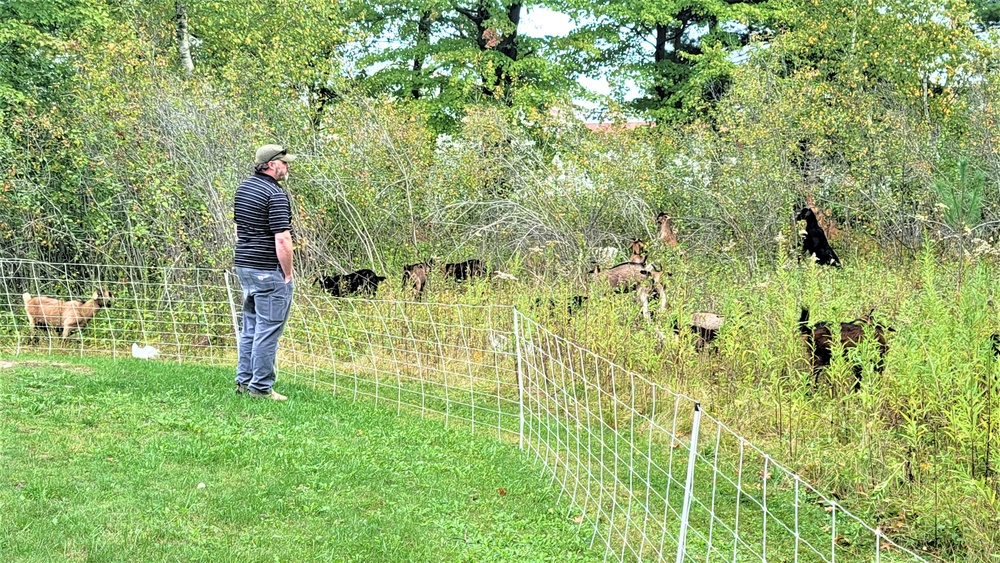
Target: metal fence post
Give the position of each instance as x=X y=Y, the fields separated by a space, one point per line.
x=232 y=310
x=520 y=380
x=689 y=484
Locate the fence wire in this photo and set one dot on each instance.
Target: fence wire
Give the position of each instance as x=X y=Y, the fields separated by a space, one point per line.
x=645 y=472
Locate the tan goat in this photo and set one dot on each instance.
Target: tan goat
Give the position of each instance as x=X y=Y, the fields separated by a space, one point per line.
x=666 y=233
x=640 y=278
x=637 y=256
x=47 y=312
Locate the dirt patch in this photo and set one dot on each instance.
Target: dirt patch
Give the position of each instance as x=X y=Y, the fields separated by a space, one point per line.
x=5 y=364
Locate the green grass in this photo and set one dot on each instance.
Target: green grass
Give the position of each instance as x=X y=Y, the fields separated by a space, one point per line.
x=106 y=460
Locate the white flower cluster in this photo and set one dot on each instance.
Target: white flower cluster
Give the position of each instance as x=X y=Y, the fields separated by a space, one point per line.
x=982 y=247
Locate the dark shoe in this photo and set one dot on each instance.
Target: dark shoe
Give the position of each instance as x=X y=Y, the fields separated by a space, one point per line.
x=272 y=394
x=240 y=389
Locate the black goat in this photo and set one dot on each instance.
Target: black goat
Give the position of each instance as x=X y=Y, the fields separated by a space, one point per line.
x=415 y=276
x=814 y=243
x=573 y=303
x=819 y=338
x=576 y=303
x=363 y=282
x=461 y=271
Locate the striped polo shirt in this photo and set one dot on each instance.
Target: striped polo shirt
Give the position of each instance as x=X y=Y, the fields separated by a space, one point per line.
x=260 y=210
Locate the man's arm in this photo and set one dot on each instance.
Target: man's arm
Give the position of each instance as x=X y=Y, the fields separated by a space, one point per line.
x=283 y=246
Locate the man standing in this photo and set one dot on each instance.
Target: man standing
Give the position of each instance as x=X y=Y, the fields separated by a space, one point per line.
x=263 y=263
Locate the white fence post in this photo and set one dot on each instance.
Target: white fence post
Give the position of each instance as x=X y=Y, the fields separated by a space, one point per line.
x=878 y=544
x=520 y=380
x=232 y=310
x=689 y=484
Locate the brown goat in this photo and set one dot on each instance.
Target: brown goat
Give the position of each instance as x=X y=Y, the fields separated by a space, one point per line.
x=415 y=276
x=627 y=276
x=820 y=341
x=640 y=278
x=666 y=233
x=47 y=312
x=637 y=247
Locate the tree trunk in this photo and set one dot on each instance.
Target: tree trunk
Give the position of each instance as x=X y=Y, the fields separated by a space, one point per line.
x=500 y=85
x=508 y=48
x=183 y=38
x=659 y=57
x=423 y=41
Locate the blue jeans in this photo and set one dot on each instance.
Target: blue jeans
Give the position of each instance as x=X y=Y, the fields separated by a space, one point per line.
x=267 y=300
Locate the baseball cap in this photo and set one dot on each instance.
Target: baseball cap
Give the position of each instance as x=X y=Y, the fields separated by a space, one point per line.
x=267 y=153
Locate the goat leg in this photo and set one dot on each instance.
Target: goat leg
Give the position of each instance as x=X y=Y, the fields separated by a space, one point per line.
x=663 y=296
x=642 y=297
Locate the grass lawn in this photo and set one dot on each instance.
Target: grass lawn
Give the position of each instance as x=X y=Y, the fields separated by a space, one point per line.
x=129 y=460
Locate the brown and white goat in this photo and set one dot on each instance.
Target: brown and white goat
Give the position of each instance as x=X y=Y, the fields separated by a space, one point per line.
x=642 y=295
x=46 y=312
x=705 y=326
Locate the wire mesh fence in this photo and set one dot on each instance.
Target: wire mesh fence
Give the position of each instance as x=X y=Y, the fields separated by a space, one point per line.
x=648 y=474
x=186 y=313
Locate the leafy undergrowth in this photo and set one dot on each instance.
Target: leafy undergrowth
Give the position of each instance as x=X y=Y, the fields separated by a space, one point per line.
x=150 y=461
